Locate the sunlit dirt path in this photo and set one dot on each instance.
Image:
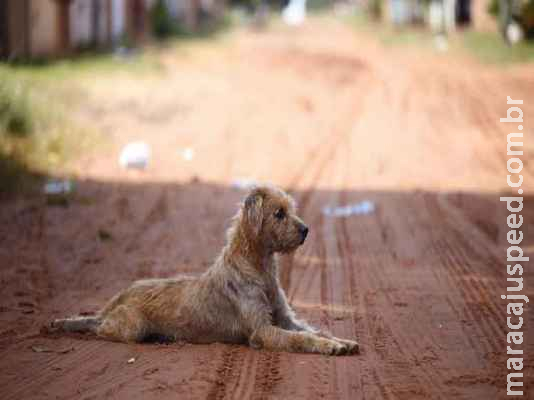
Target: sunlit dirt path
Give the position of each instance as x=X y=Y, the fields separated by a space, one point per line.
x=335 y=118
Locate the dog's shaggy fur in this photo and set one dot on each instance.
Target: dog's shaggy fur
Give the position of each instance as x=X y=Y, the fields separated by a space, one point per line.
x=237 y=300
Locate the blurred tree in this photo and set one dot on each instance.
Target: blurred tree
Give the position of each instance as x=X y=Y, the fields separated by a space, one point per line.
x=511 y=12
x=162 y=23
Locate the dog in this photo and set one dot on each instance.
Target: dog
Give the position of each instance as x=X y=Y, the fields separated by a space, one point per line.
x=237 y=300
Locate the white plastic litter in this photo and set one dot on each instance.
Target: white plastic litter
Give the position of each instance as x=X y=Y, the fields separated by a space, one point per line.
x=514 y=32
x=244 y=184
x=441 y=43
x=362 y=208
x=135 y=155
x=188 y=154
x=131 y=360
x=295 y=12
x=55 y=187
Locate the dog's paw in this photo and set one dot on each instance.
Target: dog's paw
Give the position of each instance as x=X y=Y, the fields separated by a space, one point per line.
x=333 y=348
x=352 y=346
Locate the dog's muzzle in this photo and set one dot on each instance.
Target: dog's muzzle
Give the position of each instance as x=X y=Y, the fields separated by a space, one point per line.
x=303 y=230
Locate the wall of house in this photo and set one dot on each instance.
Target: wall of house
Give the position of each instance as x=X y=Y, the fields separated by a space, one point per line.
x=177 y=8
x=482 y=20
x=43 y=27
x=80 y=23
x=118 y=20
x=17 y=35
x=103 y=22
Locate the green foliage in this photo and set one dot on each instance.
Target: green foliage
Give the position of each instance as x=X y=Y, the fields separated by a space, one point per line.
x=376 y=9
x=161 y=21
x=35 y=137
x=489 y=47
x=493 y=8
x=522 y=11
x=164 y=26
x=16 y=117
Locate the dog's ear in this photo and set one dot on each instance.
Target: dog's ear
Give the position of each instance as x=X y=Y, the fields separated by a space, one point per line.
x=253 y=212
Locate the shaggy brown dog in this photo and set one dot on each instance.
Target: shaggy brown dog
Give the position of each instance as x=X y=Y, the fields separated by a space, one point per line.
x=237 y=300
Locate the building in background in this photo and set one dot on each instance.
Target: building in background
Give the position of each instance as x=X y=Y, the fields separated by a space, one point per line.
x=52 y=28
x=440 y=15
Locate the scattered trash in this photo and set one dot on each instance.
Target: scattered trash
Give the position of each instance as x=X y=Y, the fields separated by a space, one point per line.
x=42 y=349
x=135 y=155
x=104 y=235
x=54 y=187
x=295 y=12
x=131 y=360
x=441 y=43
x=38 y=349
x=244 y=184
x=57 y=192
x=514 y=33
x=362 y=208
x=188 y=154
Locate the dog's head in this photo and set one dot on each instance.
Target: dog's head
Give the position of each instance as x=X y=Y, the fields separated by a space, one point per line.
x=268 y=216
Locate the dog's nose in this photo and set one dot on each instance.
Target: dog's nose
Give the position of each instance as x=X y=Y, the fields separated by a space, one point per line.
x=303 y=232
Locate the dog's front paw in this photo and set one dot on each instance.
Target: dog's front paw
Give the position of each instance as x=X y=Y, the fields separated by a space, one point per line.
x=352 y=346
x=333 y=348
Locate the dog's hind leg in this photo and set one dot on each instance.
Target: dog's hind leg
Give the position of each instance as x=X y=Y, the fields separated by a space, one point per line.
x=124 y=324
x=76 y=324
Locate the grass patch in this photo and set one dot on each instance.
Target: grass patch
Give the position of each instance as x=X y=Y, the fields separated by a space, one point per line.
x=486 y=47
x=489 y=47
x=35 y=136
x=389 y=35
x=16 y=117
x=86 y=64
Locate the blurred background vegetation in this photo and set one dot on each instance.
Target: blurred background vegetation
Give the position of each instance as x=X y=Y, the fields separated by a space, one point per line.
x=43 y=58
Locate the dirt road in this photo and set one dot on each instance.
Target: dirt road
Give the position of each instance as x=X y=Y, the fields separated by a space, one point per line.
x=336 y=119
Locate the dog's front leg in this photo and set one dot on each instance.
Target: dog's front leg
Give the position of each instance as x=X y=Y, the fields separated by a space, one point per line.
x=287 y=320
x=285 y=316
x=277 y=339
x=302 y=326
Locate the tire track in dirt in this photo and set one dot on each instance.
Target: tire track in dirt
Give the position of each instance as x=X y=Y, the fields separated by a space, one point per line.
x=227 y=373
x=42 y=373
x=338 y=279
x=463 y=296
x=155 y=214
x=350 y=296
x=333 y=376
x=393 y=345
x=481 y=306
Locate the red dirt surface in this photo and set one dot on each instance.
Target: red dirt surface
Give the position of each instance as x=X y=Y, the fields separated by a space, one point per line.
x=336 y=119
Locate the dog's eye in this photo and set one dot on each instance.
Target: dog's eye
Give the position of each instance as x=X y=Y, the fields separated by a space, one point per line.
x=280 y=213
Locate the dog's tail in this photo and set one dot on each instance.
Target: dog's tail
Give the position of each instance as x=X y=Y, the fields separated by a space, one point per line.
x=76 y=324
